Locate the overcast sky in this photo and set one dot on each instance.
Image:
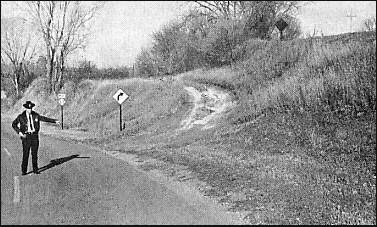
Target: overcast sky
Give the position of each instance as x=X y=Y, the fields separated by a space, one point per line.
x=122 y=28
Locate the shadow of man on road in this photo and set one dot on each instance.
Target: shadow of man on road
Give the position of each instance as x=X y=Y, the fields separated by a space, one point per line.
x=58 y=161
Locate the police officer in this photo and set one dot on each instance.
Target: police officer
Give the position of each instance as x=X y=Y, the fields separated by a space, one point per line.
x=27 y=125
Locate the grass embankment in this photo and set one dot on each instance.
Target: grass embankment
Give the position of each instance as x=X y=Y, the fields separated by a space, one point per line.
x=90 y=105
x=310 y=157
x=317 y=102
x=315 y=74
x=299 y=147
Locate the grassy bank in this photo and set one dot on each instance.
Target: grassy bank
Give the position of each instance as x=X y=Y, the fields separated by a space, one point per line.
x=335 y=73
x=263 y=169
x=313 y=99
x=90 y=105
x=298 y=148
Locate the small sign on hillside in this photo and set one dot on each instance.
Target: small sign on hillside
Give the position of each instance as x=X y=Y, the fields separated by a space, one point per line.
x=281 y=24
x=61 y=102
x=120 y=96
x=61 y=96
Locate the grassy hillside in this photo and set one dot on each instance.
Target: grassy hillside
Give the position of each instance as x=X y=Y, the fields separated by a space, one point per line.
x=298 y=148
x=335 y=73
x=90 y=105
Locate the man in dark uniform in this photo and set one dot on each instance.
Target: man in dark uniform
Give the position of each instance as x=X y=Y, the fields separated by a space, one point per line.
x=27 y=125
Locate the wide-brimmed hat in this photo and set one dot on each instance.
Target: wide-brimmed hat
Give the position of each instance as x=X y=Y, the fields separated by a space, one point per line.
x=29 y=105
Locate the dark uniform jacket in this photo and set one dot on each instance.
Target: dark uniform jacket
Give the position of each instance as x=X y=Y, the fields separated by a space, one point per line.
x=20 y=123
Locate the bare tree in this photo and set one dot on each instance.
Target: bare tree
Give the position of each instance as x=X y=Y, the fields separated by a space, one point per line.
x=64 y=26
x=259 y=17
x=239 y=9
x=18 y=47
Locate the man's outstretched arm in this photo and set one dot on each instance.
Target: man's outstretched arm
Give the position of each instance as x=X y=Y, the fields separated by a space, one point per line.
x=47 y=119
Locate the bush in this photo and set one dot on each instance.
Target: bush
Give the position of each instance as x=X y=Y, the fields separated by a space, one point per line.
x=39 y=86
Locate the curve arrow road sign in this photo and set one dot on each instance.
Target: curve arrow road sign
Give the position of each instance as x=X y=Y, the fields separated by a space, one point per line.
x=120 y=96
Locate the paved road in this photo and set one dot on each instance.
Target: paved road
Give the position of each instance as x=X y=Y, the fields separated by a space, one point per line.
x=85 y=186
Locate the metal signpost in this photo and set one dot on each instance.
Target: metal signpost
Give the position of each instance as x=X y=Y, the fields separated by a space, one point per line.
x=61 y=98
x=120 y=96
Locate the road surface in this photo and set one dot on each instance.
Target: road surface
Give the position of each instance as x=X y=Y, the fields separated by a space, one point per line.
x=80 y=185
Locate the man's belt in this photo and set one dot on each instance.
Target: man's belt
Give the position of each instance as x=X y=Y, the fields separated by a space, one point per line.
x=31 y=133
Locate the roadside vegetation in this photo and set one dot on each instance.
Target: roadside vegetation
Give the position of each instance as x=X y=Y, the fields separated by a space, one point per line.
x=91 y=106
x=299 y=146
x=283 y=155
x=330 y=74
x=314 y=98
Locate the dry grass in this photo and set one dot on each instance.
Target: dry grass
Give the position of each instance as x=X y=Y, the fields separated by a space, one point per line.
x=90 y=104
x=330 y=74
x=348 y=82
x=272 y=170
x=298 y=149
x=319 y=108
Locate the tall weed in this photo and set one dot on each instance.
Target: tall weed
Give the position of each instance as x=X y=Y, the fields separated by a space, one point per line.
x=315 y=76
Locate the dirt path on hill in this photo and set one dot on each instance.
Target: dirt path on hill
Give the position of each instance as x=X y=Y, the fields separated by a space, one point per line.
x=209 y=106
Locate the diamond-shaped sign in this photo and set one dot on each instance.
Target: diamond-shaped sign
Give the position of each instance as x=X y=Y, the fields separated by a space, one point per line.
x=281 y=24
x=120 y=96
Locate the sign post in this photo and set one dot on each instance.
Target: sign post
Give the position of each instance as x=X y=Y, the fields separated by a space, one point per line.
x=61 y=102
x=120 y=117
x=120 y=96
x=62 y=115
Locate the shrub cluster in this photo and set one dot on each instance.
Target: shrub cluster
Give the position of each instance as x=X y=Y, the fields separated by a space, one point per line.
x=197 y=41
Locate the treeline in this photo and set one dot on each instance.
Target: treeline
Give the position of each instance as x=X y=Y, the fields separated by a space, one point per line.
x=210 y=34
x=52 y=30
x=88 y=70
x=31 y=71
x=214 y=34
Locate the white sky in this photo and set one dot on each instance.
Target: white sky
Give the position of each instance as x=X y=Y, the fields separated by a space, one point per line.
x=330 y=16
x=122 y=28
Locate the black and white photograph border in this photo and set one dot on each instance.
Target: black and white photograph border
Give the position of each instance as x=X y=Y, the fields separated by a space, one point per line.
x=188 y=112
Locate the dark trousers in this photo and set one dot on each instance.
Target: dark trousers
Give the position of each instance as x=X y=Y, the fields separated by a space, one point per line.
x=31 y=142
